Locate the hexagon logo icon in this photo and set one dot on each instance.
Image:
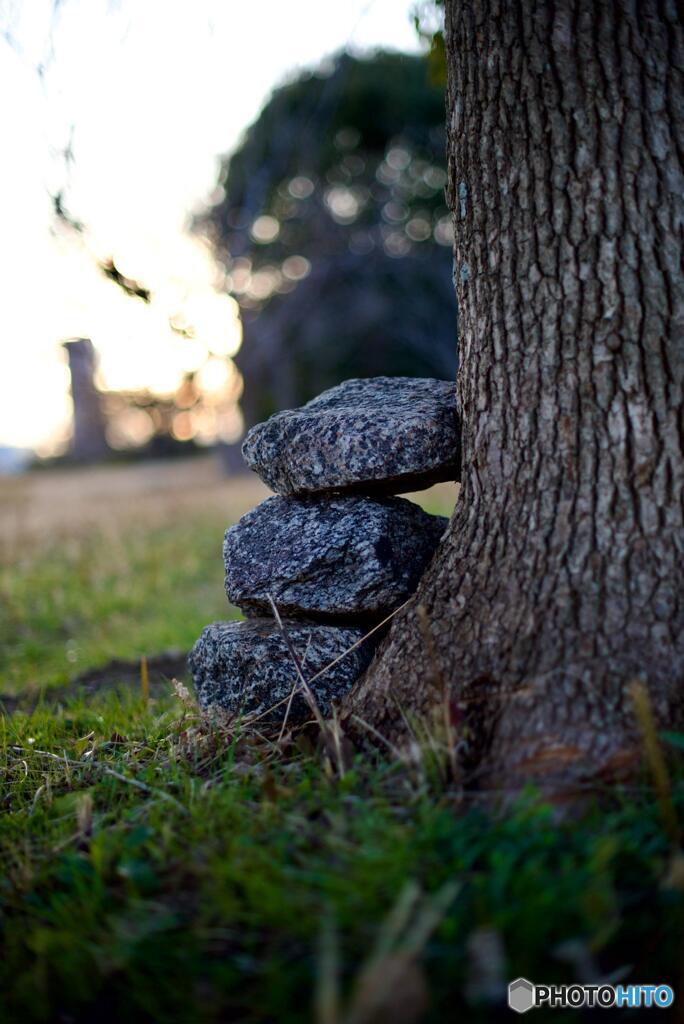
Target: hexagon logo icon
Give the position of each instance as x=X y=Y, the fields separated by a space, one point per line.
x=521 y=995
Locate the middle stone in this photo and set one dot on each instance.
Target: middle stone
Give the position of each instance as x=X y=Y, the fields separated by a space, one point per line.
x=337 y=558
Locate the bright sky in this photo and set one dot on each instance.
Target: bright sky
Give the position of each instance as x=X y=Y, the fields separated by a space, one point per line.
x=155 y=92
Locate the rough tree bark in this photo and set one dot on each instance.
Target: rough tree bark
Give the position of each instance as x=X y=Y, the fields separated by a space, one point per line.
x=560 y=578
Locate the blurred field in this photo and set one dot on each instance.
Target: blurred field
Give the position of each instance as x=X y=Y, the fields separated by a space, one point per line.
x=110 y=563
x=115 y=562
x=49 y=504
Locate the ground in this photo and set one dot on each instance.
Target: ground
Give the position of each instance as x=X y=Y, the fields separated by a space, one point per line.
x=155 y=866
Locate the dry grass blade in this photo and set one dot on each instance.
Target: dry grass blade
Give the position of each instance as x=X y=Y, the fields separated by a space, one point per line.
x=84 y=814
x=358 y=643
x=307 y=691
x=36 y=797
x=429 y=918
x=291 y=698
x=287 y=712
x=395 y=922
x=378 y=735
x=655 y=758
x=250 y=720
x=144 y=679
x=153 y=790
x=337 y=738
x=391 y=984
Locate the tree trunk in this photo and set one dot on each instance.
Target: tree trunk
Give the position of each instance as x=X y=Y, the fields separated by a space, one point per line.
x=560 y=578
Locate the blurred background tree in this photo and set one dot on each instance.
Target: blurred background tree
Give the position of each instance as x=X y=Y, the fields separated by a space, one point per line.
x=328 y=223
x=334 y=232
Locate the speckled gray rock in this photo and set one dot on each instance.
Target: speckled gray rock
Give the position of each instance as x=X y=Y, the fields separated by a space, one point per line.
x=245 y=666
x=341 y=557
x=383 y=435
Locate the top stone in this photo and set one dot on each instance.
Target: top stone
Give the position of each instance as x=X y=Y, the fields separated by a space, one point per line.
x=383 y=435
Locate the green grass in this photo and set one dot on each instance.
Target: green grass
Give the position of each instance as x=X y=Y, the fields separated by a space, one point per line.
x=155 y=867
x=121 y=595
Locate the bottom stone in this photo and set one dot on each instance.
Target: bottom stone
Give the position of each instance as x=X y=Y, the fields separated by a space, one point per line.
x=246 y=666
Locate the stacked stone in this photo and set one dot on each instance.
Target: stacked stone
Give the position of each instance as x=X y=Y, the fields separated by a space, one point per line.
x=335 y=549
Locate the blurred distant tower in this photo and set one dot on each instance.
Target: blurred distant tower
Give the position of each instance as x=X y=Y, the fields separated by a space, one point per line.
x=89 y=442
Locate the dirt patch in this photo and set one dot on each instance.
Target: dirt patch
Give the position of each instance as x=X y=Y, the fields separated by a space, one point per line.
x=116 y=675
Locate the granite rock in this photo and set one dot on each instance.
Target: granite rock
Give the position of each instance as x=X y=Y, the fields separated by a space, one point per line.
x=342 y=557
x=380 y=435
x=246 y=666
